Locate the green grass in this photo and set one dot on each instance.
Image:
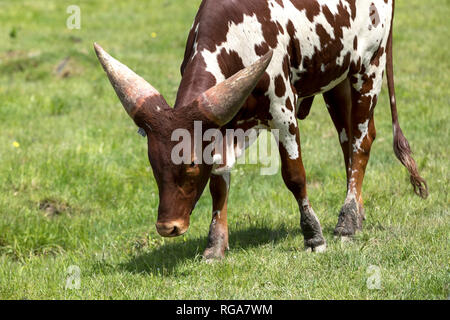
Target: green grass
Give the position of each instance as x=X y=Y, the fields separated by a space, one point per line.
x=77 y=188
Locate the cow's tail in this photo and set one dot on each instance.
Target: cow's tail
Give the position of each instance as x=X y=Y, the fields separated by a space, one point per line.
x=401 y=146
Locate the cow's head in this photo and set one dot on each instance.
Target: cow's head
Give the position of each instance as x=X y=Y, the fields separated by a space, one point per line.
x=180 y=185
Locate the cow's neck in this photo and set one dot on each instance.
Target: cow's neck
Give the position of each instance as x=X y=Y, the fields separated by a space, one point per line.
x=194 y=82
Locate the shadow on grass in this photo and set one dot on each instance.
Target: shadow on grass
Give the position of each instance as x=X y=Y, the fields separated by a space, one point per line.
x=165 y=259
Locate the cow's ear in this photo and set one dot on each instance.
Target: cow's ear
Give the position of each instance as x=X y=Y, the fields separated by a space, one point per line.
x=133 y=91
x=223 y=101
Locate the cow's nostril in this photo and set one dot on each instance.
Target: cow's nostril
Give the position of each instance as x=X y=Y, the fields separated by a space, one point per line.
x=175 y=231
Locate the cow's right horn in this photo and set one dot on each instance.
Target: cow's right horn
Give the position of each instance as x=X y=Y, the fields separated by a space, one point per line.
x=131 y=89
x=222 y=102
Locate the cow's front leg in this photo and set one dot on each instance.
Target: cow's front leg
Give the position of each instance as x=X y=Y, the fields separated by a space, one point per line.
x=294 y=177
x=218 y=231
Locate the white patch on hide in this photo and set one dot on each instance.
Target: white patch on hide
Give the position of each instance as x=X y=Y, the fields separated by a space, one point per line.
x=343 y=136
x=363 y=128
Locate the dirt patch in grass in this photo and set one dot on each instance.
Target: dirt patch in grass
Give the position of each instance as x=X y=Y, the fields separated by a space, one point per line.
x=53 y=208
x=18 y=61
x=67 y=67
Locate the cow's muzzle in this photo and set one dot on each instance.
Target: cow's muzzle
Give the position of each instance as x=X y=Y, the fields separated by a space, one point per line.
x=171 y=228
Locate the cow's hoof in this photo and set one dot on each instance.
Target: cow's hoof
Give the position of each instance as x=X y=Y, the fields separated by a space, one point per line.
x=312 y=231
x=213 y=254
x=318 y=249
x=316 y=244
x=350 y=220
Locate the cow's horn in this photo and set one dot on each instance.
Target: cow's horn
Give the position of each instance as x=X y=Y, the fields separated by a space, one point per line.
x=223 y=101
x=131 y=89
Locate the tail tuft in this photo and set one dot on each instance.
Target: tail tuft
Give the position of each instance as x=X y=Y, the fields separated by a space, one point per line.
x=401 y=146
x=404 y=154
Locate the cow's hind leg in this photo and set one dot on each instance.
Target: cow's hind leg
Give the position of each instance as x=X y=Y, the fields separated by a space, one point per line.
x=218 y=232
x=364 y=94
x=294 y=176
x=339 y=105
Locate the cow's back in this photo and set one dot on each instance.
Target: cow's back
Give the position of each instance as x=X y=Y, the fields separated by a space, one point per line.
x=315 y=43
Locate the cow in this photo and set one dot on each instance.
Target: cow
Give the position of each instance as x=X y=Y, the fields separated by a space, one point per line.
x=260 y=63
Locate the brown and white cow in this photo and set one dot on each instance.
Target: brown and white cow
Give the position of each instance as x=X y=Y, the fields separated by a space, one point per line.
x=260 y=63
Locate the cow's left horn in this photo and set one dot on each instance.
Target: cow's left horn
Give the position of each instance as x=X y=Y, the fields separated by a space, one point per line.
x=131 y=89
x=223 y=101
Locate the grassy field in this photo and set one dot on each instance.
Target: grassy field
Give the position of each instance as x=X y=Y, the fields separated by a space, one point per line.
x=76 y=188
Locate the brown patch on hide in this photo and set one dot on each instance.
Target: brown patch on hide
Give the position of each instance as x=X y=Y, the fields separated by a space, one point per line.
x=292 y=129
x=229 y=62
x=280 y=86
x=305 y=107
x=261 y=49
x=289 y=104
x=311 y=7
